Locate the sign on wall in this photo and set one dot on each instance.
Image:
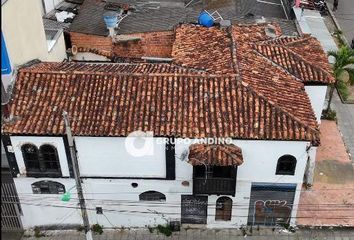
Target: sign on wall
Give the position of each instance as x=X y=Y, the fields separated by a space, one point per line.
x=5 y=61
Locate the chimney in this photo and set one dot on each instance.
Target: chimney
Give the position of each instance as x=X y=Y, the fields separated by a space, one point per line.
x=111 y=20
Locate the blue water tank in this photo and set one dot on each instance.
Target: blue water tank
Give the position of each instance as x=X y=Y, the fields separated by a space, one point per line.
x=205 y=19
x=110 y=19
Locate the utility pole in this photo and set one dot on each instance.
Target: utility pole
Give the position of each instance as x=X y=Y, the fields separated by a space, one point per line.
x=77 y=177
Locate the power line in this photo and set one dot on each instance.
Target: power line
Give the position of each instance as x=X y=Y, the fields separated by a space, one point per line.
x=175 y=213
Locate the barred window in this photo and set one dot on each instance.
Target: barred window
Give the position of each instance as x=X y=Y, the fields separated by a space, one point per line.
x=286 y=165
x=41 y=162
x=48 y=187
x=49 y=158
x=152 y=196
x=30 y=157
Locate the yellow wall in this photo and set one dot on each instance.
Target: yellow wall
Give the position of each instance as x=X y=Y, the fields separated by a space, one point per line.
x=23 y=30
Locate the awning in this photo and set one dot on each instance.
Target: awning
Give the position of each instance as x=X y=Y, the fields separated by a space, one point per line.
x=215 y=154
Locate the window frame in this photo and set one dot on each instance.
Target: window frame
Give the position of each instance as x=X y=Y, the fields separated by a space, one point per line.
x=144 y=197
x=286 y=159
x=221 y=212
x=52 y=186
x=42 y=170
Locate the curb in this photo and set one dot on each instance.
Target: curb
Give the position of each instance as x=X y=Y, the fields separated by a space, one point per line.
x=336 y=23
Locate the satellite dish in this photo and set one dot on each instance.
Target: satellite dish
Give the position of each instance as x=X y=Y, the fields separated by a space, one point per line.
x=74 y=49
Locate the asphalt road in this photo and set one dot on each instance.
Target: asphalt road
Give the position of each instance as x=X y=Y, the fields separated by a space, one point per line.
x=345 y=17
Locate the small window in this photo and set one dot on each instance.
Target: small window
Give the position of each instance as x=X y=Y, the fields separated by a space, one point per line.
x=48 y=187
x=152 y=196
x=223 y=209
x=30 y=157
x=286 y=165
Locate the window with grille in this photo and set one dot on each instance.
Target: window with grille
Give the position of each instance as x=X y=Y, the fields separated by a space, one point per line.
x=31 y=157
x=49 y=158
x=286 y=165
x=223 y=209
x=41 y=162
x=152 y=196
x=48 y=187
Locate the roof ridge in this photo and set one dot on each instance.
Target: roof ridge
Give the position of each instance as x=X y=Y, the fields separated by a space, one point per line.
x=296 y=56
x=278 y=107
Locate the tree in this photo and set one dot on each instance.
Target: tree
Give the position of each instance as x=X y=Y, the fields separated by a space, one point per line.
x=344 y=58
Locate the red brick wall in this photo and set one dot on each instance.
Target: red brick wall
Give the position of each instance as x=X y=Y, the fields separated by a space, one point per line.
x=152 y=44
x=91 y=41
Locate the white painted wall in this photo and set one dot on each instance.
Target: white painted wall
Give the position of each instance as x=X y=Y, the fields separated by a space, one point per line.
x=18 y=141
x=120 y=201
x=317 y=95
x=47 y=209
x=108 y=157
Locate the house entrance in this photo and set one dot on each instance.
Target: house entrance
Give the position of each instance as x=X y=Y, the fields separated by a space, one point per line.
x=271 y=204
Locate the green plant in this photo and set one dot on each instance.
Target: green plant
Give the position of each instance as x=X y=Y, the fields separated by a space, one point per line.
x=80 y=228
x=343 y=90
x=96 y=228
x=151 y=229
x=339 y=35
x=166 y=230
x=38 y=233
x=344 y=58
x=330 y=115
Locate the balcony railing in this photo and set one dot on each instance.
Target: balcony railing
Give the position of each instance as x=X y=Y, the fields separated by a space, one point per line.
x=218 y=186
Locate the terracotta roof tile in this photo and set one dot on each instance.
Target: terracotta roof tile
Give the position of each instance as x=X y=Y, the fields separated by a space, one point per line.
x=215 y=154
x=169 y=104
x=293 y=63
x=203 y=48
x=300 y=56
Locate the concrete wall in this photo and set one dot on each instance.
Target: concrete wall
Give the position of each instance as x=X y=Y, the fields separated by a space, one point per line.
x=23 y=30
x=105 y=157
x=317 y=95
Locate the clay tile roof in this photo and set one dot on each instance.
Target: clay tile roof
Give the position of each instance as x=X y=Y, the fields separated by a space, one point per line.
x=294 y=63
x=302 y=57
x=198 y=47
x=104 y=102
x=215 y=154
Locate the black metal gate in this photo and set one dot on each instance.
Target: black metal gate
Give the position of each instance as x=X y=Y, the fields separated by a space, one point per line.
x=194 y=209
x=10 y=205
x=271 y=204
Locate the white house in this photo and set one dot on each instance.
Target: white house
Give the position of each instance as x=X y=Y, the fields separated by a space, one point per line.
x=231 y=136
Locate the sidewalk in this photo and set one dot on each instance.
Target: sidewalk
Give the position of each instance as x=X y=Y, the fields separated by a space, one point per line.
x=330 y=202
x=203 y=234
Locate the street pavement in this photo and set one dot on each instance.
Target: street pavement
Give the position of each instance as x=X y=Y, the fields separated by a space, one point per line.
x=345 y=116
x=200 y=234
x=345 y=17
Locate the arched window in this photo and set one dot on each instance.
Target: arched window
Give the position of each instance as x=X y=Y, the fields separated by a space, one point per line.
x=30 y=157
x=152 y=196
x=49 y=158
x=223 y=209
x=48 y=187
x=286 y=165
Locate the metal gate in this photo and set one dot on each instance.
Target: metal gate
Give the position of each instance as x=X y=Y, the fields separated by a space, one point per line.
x=271 y=204
x=10 y=208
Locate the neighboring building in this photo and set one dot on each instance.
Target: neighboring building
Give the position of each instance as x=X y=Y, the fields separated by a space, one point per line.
x=245 y=82
x=26 y=38
x=147 y=29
